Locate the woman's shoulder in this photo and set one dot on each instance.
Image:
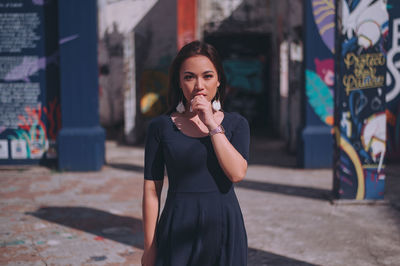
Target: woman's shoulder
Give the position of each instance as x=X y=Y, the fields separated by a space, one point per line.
x=158 y=123
x=159 y=120
x=234 y=119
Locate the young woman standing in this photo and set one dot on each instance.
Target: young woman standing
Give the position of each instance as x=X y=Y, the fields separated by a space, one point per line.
x=205 y=151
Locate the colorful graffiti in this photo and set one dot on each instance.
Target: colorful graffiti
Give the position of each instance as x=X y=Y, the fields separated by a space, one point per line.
x=319 y=96
x=360 y=105
x=324 y=17
x=320 y=75
x=393 y=82
x=33 y=139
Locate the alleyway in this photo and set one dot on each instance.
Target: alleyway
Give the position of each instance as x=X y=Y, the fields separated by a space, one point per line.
x=63 y=218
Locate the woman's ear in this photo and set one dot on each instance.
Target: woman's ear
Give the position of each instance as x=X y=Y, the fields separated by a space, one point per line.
x=218 y=84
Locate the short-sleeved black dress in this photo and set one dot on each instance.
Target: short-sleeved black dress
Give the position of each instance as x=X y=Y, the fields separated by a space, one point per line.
x=201 y=223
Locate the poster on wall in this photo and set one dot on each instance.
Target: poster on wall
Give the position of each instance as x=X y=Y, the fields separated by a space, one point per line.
x=29 y=81
x=360 y=117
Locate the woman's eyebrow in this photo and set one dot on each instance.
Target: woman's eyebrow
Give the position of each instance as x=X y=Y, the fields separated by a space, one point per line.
x=208 y=71
x=205 y=72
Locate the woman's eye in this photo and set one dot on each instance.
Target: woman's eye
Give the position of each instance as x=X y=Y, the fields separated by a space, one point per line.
x=209 y=76
x=188 y=77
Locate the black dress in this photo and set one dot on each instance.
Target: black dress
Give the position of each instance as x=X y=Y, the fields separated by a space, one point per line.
x=201 y=223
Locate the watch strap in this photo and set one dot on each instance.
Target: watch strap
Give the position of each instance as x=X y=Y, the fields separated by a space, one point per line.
x=218 y=129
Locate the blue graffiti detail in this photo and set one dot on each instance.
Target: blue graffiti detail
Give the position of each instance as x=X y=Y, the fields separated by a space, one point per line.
x=349 y=45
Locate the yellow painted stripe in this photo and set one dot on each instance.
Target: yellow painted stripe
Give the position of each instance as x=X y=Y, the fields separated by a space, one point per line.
x=326 y=27
x=347 y=148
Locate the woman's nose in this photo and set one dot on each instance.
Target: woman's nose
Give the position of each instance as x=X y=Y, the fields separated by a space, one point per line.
x=199 y=84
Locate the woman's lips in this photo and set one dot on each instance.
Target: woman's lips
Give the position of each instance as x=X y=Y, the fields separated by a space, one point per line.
x=197 y=94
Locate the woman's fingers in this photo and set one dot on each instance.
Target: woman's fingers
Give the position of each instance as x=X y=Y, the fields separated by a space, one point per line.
x=200 y=103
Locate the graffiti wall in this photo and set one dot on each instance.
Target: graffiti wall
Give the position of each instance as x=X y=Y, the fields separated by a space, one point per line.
x=320 y=62
x=30 y=115
x=319 y=42
x=393 y=82
x=360 y=119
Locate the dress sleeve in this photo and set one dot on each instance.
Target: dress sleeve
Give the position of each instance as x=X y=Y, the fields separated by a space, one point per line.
x=154 y=157
x=241 y=137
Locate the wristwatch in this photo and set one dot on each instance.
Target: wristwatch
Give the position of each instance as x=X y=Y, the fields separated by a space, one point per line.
x=218 y=129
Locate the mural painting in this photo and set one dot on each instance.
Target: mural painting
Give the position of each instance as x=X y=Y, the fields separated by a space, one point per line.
x=320 y=69
x=316 y=143
x=393 y=82
x=30 y=115
x=360 y=118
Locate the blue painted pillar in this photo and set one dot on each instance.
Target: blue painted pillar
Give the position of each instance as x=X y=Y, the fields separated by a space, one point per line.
x=81 y=139
x=360 y=118
x=316 y=140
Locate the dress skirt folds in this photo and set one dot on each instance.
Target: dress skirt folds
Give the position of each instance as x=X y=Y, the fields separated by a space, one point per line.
x=201 y=223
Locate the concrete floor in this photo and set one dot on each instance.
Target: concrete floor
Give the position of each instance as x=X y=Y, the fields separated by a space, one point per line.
x=62 y=218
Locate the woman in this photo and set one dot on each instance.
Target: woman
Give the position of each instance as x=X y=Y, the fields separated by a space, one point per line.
x=205 y=150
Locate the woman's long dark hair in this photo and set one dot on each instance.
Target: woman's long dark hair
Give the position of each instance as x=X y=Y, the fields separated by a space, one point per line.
x=194 y=48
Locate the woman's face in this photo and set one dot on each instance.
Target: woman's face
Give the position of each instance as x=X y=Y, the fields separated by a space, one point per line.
x=198 y=76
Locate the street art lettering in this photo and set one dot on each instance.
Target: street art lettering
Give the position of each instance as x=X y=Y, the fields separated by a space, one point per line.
x=362 y=71
x=393 y=64
x=361 y=131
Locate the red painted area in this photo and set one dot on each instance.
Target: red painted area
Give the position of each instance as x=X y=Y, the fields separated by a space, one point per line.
x=186 y=21
x=54 y=118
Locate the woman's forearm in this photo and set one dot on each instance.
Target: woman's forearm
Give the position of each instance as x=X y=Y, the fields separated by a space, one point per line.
x=231 y=161
x=150 y=209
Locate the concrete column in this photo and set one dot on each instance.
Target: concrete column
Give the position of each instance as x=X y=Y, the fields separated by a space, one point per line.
x=81 y=139
x=360 y=119
x=316 y=140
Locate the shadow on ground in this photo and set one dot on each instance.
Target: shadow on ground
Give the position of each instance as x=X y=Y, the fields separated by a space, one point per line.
x=392 y=184
x=305 y=192
x=258 y=257
x=128 y=230
x=123 y=229
x=270 y=151
x=127 y=167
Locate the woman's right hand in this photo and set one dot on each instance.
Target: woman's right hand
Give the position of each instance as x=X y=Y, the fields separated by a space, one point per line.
x=149 y=257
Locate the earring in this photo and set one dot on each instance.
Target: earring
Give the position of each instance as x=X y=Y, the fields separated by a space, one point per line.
x=216 y=105
x=180 y=108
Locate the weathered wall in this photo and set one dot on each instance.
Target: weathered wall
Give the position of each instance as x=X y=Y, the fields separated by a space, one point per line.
x=155 y=46
x=235 y=16
x=137 y=40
